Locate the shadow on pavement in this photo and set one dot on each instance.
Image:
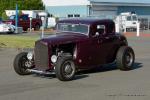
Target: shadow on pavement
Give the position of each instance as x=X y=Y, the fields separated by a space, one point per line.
x=83 y=74
x=137 y=65
x=108 y=67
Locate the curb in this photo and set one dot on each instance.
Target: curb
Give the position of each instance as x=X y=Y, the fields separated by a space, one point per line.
x=133 y=34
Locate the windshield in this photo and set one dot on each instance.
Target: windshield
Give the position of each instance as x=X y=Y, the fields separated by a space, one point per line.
x=128 y=18
x=134 y=18
x=75 y=28
x=12 y=17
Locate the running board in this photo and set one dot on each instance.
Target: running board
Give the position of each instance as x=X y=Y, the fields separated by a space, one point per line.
x=40 y=72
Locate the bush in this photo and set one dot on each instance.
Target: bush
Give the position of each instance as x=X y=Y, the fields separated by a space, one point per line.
x=4 y=16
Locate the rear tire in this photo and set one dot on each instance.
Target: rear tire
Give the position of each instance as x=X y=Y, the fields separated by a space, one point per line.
x=125 y=58
x=65 y=68
x=19 y=64
x=37 y=27
x=26 y=29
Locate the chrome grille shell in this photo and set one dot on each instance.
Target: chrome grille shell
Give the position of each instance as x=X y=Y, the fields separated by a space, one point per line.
x=41 y=55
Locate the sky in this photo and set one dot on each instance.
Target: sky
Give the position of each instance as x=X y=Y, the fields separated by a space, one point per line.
x=86 y=2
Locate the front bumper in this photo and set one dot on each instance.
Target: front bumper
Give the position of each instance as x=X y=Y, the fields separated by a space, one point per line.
x=6 y=30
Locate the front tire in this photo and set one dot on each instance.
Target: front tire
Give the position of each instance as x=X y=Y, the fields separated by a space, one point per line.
x=125 y=58
x=20 y=64
x=65 y=67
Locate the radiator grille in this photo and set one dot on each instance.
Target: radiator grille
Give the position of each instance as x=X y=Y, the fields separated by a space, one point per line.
x=41 y=56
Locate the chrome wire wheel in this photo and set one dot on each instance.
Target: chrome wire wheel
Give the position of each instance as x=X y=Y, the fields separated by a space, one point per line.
x=21 y=64
x=129 y=59
x=65 y=68
x=125 y=58
x=68 y=69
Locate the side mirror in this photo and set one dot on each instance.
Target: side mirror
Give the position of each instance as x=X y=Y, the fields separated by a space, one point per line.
x=96 y=34
x=20 y=19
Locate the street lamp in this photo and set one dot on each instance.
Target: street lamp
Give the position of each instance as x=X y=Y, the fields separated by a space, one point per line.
x=30 y=24
x=42 y=18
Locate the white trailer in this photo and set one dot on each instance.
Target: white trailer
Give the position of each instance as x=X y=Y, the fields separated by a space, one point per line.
x=126 y=21
x=31 y=13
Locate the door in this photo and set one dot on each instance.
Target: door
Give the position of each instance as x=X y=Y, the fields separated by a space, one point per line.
x=102 y=44
x=97 y=50
x=24 y=22
x=108 y=47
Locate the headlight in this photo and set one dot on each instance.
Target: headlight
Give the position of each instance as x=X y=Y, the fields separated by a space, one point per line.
x=30 y=55
x=54 y=58
x=5 y=26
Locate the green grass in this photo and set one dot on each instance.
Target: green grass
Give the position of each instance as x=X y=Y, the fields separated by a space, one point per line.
x=16 y=41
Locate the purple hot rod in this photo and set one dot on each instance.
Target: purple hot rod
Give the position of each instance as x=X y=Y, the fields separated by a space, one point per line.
x=78 y=44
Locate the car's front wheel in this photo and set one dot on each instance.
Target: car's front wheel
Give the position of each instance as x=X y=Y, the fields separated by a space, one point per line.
x=65 y=67
x=21 y=64
x=125 y=58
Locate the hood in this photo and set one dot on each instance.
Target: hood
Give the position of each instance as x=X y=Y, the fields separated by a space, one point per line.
x=63 y=38
x=9 y=21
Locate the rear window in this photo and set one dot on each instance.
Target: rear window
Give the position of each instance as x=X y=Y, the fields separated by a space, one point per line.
x=76 y=28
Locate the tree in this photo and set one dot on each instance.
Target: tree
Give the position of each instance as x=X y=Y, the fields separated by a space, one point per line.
x=22 y=5
x=4 y=16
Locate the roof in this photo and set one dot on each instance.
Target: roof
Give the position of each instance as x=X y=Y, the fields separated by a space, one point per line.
x=97 y=2
x=65 y=2
x=122 y=1
x=84 y=21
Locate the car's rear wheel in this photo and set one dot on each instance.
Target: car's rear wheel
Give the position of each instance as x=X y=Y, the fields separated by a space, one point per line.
x=25 y=29
x=21 y=64
x=125 y=58
x=65 y=68
x=37 y=27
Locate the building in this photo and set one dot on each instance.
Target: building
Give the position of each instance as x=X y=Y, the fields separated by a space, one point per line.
x=97 y=8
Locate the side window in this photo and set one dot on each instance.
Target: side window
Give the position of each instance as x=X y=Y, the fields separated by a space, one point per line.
x=76 y=15
x=129 y=18
x=100 y=29
x=134 y=18
x=70 y=15
x=24 y=17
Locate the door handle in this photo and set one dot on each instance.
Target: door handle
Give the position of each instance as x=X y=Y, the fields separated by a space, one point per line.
x=107 y=37
x=100 y=41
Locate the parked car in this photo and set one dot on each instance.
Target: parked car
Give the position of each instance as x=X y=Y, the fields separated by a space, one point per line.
x=0 y=20
x=24 y=22
x=7 y=28
x=79 y=44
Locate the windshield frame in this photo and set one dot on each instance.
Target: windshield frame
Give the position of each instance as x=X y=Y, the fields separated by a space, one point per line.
x=88 y=26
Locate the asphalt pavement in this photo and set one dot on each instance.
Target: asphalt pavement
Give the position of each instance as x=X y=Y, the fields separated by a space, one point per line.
x=105 y=83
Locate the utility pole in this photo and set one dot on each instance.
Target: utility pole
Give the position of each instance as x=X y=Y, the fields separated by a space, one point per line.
x=16 y=19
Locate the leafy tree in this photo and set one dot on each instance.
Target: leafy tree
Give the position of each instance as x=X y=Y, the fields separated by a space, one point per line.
x=20 y=12
x=22 y=5
x=4 y=16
